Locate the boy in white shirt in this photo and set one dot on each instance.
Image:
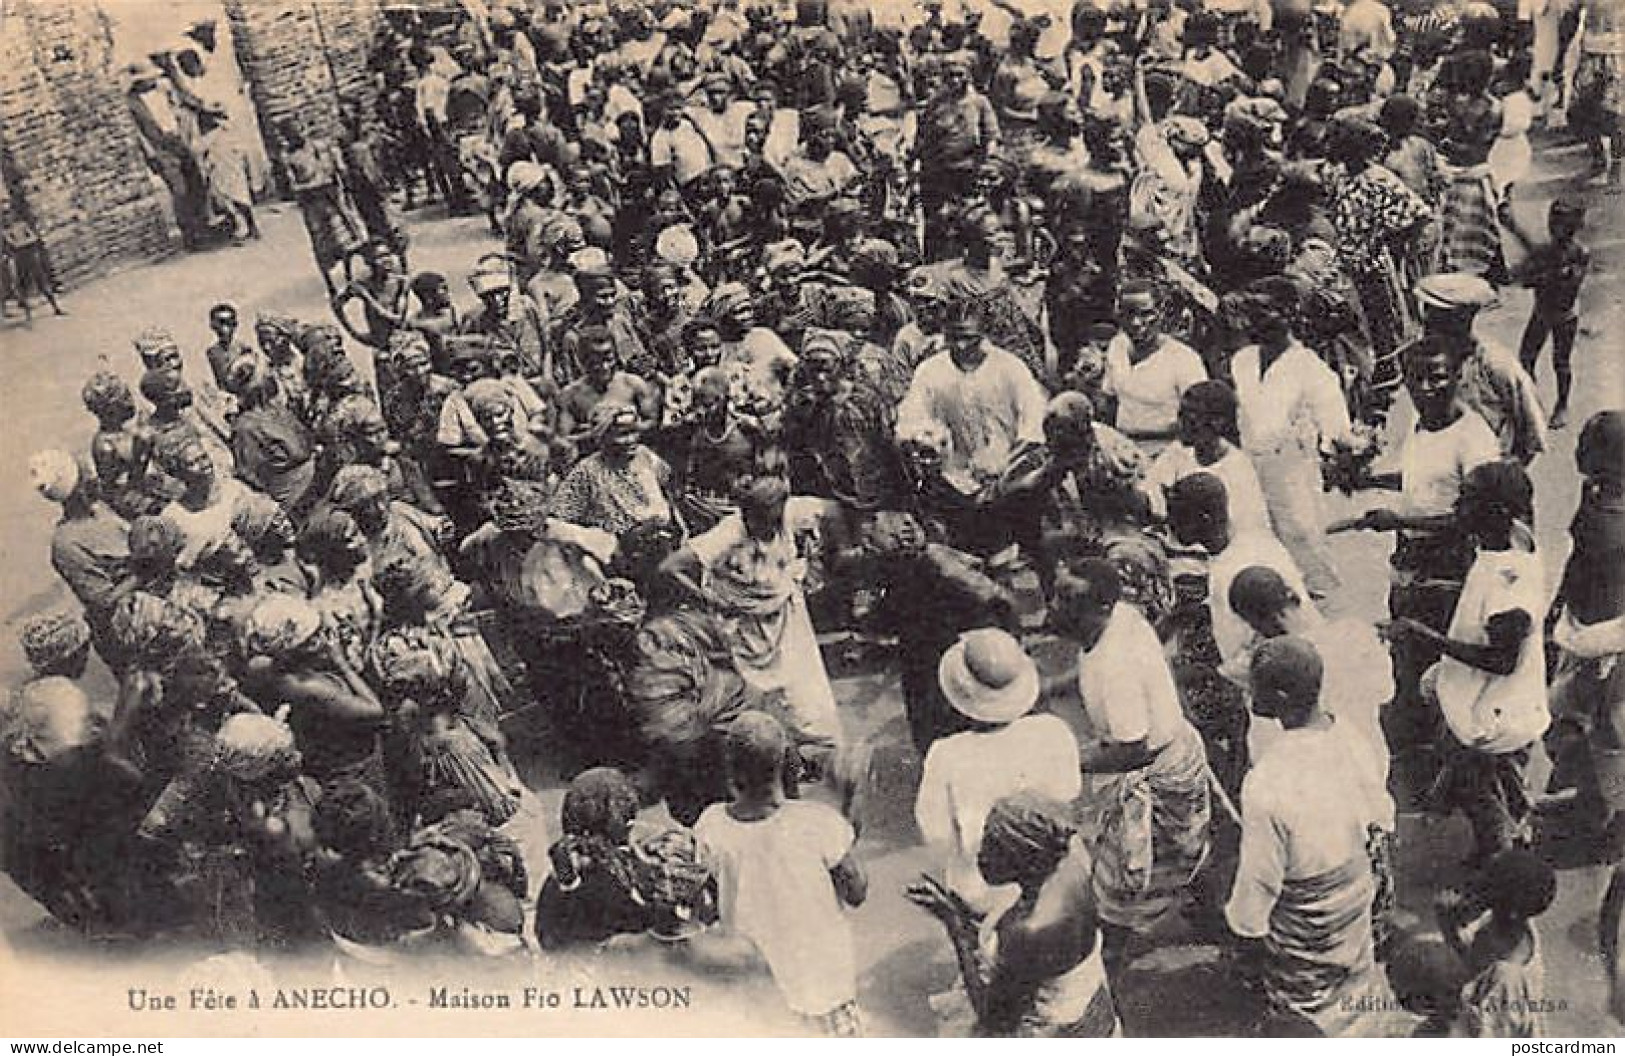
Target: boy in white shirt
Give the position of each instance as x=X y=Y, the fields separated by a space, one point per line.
x=1490 y=683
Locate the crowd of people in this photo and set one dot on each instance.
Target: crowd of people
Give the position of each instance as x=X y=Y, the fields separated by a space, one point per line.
x=968 y=338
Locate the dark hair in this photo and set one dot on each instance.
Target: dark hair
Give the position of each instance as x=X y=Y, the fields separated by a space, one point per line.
x=1519 y=884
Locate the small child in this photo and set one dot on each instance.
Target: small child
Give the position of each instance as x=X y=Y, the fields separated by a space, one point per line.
x=31 y=269
x=1554 y=270
x=784 y=869
x=1490 y=928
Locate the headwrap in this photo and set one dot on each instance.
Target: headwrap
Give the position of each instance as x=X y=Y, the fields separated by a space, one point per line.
x=319 y=337
x=520 y=507
x=285 y=326
x=726 y=300
x=349 y=418
x=525 y=176
x=1142 y=573
x=1185 y=132
x=51 y=638
x=153 y=340
x=154 y=632
x=588 y=258
x=104 y=391
x=258 y=518
x=171 y=450
x=600 y=802
x=155 y=540
x=1455 y=291
x=487 y=395
x=442 y=871
x=787 y=255
x=561 y=230
x=1025 y=835
x=609 y=415
x=488 y=277
x=669 y=875
x=422 y=667
x=49 y=718
x=281 y=624
x=55 y=474
x=1069 y=420
x=357 y=485
x=404 y=340
x=252 y=747
x=677 y=245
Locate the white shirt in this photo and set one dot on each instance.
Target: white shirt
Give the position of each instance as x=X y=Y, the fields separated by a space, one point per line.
x=1128 y=691
x=1148 y=392
x=986 y=411
x=775 y=889
x=1356 y=683
x=1498 y=713
x=1247 y=508
x=1434 y=463
x=1230 y=632
x=967 y=773
x=1305 y=810
x=683 y=148
x=1298 y=400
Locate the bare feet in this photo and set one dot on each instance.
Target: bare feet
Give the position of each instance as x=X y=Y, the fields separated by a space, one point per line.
x=1560 y=418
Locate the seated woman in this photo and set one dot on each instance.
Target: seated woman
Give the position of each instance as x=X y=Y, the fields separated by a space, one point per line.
x=1039 y=972
x=335 y=715
x=622 y=488
x=591 y=895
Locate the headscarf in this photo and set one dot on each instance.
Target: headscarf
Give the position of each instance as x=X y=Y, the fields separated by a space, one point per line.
x=485 y=396
x=1185 y=132
x=600 y=802
x=155 y=540
x=1026 y=835
x=252 y=747
x=55 y=474
x=153 y=340
x=520 y=506
x=280 y=625
x=590 y=280
x=726 y=300
x=608 y=415
x=677 y=245
x=257 y=517
x=155 y=632
x=105 y=390
x=670 y=876
x=277 y=323
x=444 y=872
x=52 y=637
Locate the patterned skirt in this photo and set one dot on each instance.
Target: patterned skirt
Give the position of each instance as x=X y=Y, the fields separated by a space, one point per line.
x=1149 y=833
x=1471 y=230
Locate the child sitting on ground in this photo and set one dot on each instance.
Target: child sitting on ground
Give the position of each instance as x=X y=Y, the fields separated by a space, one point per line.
x=784 y=869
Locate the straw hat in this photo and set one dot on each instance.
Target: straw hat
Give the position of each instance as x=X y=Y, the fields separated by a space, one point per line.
x=987 y=676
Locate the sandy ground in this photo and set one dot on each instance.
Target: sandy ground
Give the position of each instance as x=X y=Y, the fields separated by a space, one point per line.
x=1180 y=989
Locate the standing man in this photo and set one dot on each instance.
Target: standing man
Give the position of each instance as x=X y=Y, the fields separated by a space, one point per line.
x=984 y=397
x=958 y=129
x=1301 y=904
x=1493 y=383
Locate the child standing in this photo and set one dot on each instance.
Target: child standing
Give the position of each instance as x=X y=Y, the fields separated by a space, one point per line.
x=1554 y=270
x=1490 y=683
x=1490 y=929
x=784 y=870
